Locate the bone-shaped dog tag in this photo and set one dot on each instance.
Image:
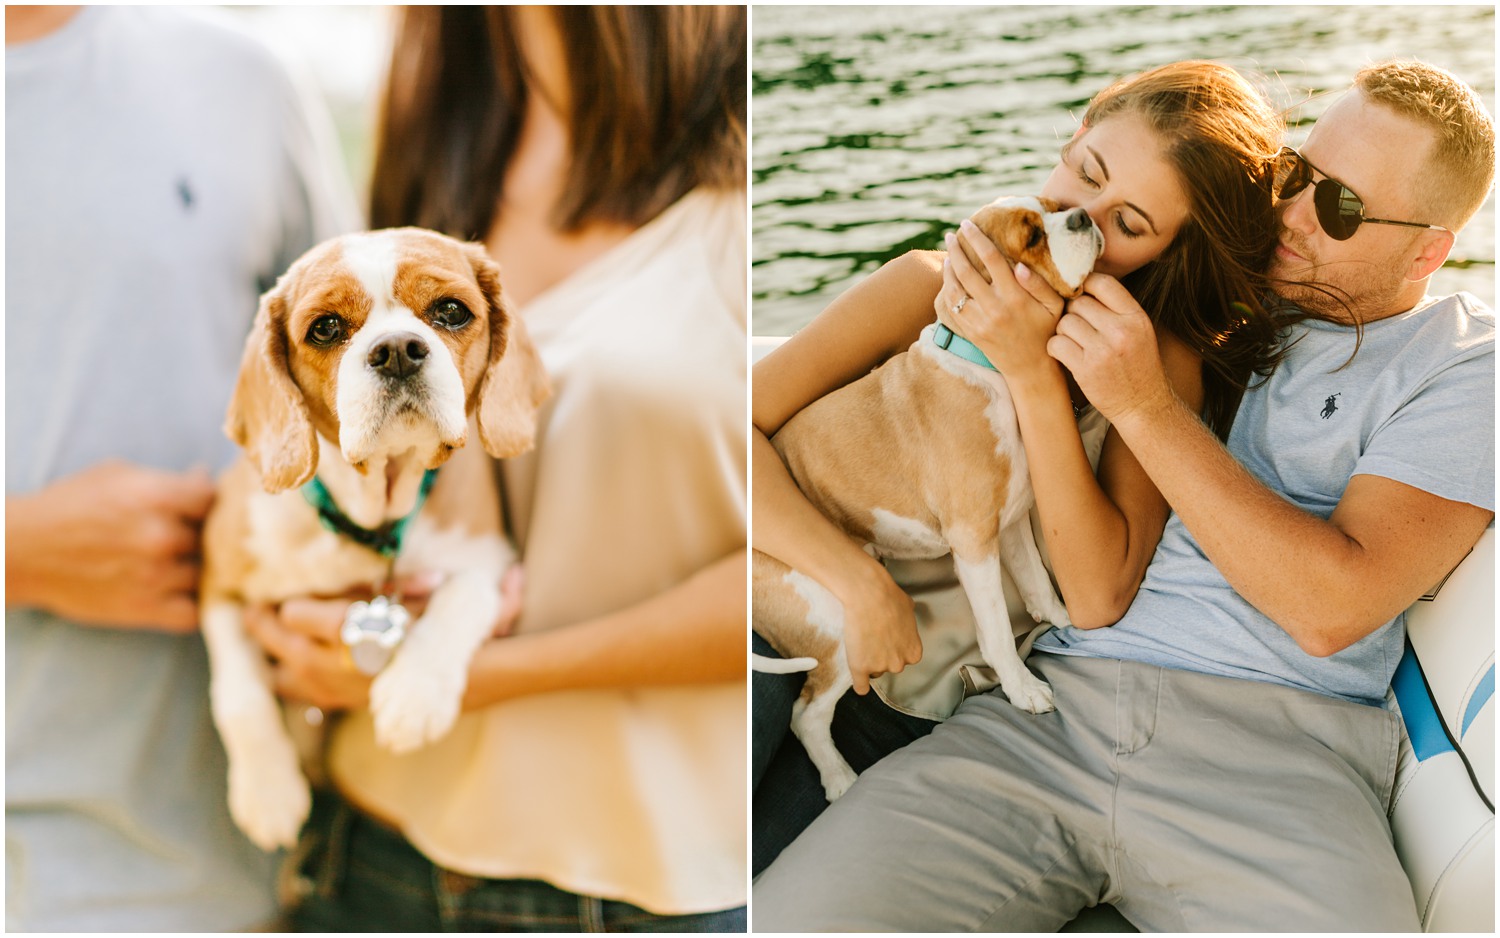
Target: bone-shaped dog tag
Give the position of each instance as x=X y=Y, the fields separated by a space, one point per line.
x=372 y=631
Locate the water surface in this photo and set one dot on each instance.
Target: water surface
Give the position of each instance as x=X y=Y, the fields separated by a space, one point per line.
x=877 y=129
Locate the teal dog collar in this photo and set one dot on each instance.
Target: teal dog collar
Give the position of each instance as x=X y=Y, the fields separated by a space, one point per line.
x=384 y=540
x=947 y=339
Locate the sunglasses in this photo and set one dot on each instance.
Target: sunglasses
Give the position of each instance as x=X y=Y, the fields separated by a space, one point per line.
x=1340 y=211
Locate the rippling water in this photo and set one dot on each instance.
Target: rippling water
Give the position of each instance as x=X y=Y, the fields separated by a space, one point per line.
x=877 y=129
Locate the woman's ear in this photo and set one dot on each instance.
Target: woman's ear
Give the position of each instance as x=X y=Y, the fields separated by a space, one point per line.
x=267 y=415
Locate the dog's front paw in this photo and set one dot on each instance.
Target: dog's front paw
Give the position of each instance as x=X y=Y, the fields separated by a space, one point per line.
x=1052 y=611
x=1029 y=692
x=836 y=781
x=414 y=705
x=269 y=798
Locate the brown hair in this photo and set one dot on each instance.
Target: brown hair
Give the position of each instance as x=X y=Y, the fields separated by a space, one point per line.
x=1463 y=154
x=1208 y=285
x=658 y=109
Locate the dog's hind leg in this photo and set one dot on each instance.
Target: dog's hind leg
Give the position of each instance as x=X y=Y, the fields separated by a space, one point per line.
x=979 y=574
x=812 y=722
x=1020 y=555
x=800 y=617
x=269 y=797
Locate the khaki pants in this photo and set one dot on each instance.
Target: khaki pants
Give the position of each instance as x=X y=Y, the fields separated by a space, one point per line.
x=1189 y=802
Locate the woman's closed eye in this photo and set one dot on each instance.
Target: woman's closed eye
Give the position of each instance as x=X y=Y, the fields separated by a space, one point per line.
x=1119 y=218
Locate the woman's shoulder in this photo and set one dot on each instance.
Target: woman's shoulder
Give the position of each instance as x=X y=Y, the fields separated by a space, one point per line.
x=1183 y=365
x=1174 y=347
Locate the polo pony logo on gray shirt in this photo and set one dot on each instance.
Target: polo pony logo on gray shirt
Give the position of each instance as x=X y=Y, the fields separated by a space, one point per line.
x=1329 y=406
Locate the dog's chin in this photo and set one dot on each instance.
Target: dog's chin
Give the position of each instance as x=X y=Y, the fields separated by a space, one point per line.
x=409 y=431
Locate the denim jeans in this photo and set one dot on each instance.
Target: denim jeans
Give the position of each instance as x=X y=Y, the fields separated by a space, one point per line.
x=352 y=873
x=787 y=794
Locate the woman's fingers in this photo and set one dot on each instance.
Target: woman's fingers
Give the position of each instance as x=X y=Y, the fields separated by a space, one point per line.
x=263 y=624
x=1039 y=290
x=512 y=588
x=317 y=619
x=989 y=268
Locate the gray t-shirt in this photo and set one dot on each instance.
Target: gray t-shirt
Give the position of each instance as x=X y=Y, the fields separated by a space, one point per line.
x=1416 y=404
x=160 y=171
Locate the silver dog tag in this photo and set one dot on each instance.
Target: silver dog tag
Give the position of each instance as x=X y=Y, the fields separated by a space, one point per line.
x=372 y=631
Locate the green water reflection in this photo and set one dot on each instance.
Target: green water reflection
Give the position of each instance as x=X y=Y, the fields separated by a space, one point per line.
x=876 y=129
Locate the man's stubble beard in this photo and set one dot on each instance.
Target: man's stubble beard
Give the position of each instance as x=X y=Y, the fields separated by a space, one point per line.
x=1344 y=290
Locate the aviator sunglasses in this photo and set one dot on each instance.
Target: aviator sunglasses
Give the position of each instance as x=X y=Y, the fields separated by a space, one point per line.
x=1340 y=211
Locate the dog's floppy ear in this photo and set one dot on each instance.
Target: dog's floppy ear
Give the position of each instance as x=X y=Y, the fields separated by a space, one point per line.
x=515 y=382
x=267 y=414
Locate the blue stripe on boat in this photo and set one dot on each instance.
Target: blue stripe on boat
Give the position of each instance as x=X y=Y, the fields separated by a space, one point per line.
x=1424 y=727
x=1482 y=695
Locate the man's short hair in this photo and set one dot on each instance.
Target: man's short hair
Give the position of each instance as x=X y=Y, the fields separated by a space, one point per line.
x=1463 y=154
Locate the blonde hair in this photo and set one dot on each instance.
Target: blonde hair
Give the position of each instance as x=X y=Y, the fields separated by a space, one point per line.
x=1463 y=153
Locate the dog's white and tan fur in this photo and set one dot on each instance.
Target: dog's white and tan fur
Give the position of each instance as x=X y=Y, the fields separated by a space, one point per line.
x=369 y=430
x=921 y=458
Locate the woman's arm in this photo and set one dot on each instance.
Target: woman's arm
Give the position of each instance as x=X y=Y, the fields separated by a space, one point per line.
x=866 y=325
x=1101 y=529
x=691 y=633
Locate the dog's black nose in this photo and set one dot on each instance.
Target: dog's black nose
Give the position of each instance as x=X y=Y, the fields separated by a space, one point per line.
x=399 y=355
x=1078 y=220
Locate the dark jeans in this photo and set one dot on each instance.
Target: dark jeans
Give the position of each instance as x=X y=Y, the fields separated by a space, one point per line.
x=352 y=873
x=787 y=794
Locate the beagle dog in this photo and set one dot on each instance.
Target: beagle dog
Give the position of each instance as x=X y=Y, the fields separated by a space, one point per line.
x=370 y=364
x=920 y=458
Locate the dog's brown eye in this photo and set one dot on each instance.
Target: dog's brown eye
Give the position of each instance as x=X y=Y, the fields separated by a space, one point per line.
x=326 y=331
x=450 y=314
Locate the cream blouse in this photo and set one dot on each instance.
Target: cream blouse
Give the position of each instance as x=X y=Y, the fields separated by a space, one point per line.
x=638 y=481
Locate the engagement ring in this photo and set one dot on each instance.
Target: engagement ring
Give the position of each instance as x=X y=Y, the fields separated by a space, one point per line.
x=958 y=307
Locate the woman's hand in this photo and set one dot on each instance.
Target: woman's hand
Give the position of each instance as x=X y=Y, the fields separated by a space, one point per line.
x=1108 y=344
x=309 y=663
x=880 y=627
x=309 y=660
x=1009 y=315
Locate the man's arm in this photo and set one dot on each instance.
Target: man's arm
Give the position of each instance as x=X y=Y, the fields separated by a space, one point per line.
x=1328 y=583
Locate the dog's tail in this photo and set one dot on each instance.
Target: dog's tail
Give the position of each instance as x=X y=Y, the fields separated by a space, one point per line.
x=781 y=665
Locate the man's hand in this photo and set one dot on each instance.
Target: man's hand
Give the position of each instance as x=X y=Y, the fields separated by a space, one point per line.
x=114 y=545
